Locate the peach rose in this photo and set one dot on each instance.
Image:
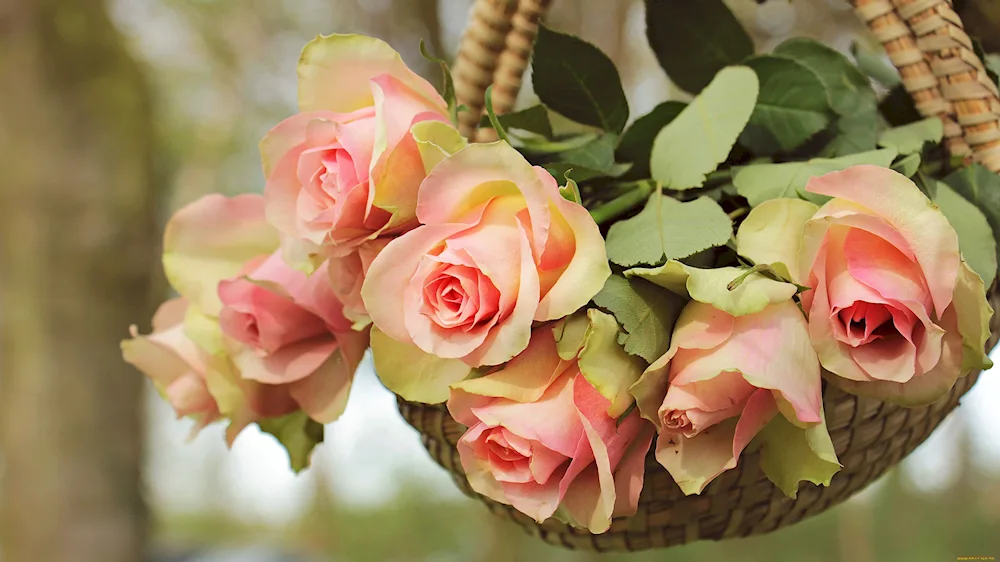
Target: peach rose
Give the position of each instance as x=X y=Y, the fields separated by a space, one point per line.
x=894 y=311
x=196 y=382
x=274 y=339
x=541 y=439
x=499 y=248
x=723 y=380
x=289 y=330
x=175 y=364
x=347 y=168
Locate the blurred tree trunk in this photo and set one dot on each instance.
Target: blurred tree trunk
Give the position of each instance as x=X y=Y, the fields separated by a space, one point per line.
x=78 y=240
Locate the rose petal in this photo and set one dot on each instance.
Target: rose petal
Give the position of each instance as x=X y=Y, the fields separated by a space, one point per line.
x=772 y=232
x=552 y=420
x=630 y=473
x=459 y=187
x=475 y=463
x=210 y=240
x=694 y=462
x=323 y=394
x=791 y=368
x=879 y=265
x=525 y=378
x=574 y=251
x=335 y=73
x=892 y=196
x=288 y=364
x=760 y=409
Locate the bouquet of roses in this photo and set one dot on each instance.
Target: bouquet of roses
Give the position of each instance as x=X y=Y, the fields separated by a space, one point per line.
x=692 y=278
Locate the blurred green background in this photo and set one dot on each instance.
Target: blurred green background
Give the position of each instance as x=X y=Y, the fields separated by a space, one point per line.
x=112 y=115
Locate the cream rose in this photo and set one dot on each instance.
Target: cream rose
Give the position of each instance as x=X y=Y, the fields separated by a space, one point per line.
x=894 y=311
x=499 y=248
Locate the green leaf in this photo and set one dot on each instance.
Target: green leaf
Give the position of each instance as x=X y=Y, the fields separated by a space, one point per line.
x=873 y=64
x=761 y=182
x=448 y=92
x=992 y=62
x=701 y=137
x=849 y=92
x=791 y=454
x=667 y=229
x=975 y=237
x=910 y=139
x=710 y=286
x=534 y=119
x=977 y=47
x=298 y=434
x=908 y=165
x=695 y=40
x=636 y=144
x=646 y=312
x=853 y=134
x=577 y=80
x=981 y=187
x=597 y=155
x=582 y=173
x=411 y=372
x=538 y=145
x=791 y=108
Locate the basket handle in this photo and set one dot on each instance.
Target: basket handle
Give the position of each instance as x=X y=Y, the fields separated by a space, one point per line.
x=925 y=40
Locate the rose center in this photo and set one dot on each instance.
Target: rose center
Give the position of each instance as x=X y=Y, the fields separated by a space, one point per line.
x=864 y=322
x=460 y=297
x=677 y=420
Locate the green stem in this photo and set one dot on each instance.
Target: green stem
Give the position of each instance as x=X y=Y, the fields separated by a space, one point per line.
x=738 y=213
x=717 y=177
x=623 y=203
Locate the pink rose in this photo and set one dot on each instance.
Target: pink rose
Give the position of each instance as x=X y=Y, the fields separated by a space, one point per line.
x=291 y=331
x=174 y=363
x=722 y=381
x=196 y=382
x=540 y=439
x=347 y=276
x=347 y=168
x=894 y=311
x=499 y=248
x=277 y=338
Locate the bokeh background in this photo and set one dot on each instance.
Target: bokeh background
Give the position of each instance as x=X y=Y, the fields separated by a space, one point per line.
x=115 y=113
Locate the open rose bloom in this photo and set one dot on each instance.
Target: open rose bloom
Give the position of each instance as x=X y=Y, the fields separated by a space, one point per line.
x=346 y=169
x=498 y=249
x=251 y=338
x=739 y=364
x=545 y=440
x=894 y=310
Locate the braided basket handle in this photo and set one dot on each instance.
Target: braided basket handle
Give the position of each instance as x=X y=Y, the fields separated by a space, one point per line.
x=925 y=40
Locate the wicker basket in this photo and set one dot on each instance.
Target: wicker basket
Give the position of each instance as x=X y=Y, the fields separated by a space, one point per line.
x=925 y=40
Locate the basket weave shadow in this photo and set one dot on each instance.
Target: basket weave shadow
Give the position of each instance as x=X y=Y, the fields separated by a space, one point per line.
x=870 y=437
x=925 y=41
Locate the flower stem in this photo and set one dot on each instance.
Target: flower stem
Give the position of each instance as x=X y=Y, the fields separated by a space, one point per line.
x=623 y=203
x=738 y=213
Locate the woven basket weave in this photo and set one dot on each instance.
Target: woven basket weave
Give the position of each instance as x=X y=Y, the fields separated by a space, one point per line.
x=925 y=41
